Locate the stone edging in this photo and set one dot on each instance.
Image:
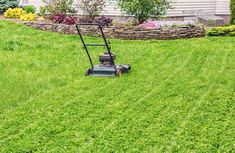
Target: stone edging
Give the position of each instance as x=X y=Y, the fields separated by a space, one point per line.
x=123 y=32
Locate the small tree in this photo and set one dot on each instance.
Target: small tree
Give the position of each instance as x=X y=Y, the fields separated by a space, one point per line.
x=59 y=6
x=142 y=10
x=91 y=8
x=232 y=10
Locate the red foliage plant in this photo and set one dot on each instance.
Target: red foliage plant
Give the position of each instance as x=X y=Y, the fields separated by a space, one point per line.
x=62 y=18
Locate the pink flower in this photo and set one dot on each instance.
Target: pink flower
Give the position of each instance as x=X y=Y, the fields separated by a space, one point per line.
x=149 y=25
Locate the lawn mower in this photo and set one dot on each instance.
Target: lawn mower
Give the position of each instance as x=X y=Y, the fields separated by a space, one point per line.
x=107 y=66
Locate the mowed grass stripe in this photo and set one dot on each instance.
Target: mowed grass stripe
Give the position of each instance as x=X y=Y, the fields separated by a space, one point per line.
x=171 y=109
x=215 y=67
x=202 y=99
x=60 y=87
x=140 y=111
x=221 y=97
x=18 y=62
x=211 y=76
x=118 y=115
x=36 y=102
x=99 y=133
x=127 y=110
x=142 y=99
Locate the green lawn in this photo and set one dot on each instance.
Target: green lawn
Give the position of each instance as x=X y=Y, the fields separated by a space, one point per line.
x=179 y=96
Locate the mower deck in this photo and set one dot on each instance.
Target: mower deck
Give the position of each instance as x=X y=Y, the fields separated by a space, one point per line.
x=108 y=71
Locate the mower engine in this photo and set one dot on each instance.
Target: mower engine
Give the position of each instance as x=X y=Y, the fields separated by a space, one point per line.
x=105 y=58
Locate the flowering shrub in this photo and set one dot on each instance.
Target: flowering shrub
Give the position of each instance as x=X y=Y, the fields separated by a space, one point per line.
x=14 y=13
x=28 y=17
x=62 y=18
x=101 y=20
x=162 y=24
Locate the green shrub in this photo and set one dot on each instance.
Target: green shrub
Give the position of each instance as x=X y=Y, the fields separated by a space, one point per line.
x=91 y=8
x=232 y=33
x=42 y=11
x=222 y=31
x=59 y=6
x=30 y=9
x=5 y=4
x=232 y=10
x=142 y=10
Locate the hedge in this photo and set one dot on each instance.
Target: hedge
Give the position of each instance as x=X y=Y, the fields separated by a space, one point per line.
x=222 y=31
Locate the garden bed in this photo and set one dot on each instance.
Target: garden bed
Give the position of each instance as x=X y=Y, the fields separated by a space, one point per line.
x=125 y=32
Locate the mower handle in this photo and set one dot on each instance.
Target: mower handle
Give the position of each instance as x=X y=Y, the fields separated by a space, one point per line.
x=106 y=43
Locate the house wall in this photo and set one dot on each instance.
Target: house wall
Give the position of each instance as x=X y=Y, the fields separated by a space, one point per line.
x=191 y=7
x=222 y=7
x=36 y=3
x=179 y=7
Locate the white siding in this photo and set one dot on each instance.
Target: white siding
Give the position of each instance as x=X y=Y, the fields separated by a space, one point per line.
x=179 y=7
x=191 y=7
x=36 y=3
x=222 y=7
x=184 y=7
x=112 y=8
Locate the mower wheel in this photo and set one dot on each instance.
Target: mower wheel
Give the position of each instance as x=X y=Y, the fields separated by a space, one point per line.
x=118 y=73
x=88 y=72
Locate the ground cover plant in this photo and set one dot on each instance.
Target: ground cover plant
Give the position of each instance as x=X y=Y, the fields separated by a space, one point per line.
x=179 y=96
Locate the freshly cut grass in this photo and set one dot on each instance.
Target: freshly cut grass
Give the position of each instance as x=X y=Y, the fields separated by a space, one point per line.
x=179 y=96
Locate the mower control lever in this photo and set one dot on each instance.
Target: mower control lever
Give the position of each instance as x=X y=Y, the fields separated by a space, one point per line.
x=95 y=44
